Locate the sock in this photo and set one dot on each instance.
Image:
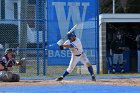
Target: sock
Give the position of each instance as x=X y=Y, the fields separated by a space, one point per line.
x=65 y=73
x=90 y=69
x=121 y=66
x=114 y=66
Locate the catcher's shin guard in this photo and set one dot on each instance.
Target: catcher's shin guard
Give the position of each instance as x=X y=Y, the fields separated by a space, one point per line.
x=15 y=78
x=6 y=76
x=10 y=77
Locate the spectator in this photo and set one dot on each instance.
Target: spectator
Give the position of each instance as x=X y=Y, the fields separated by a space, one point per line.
x=116 y=50
x=138 y=51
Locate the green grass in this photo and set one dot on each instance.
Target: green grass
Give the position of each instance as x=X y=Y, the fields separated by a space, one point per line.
x=55 y=71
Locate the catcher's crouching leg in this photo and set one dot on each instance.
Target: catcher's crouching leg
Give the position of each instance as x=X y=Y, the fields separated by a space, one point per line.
x=10 y=77
x=15 y=78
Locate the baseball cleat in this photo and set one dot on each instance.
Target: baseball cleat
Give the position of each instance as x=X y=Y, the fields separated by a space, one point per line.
x=59 y=79
x=122 y=71
x=93 y=78
x=113 y=70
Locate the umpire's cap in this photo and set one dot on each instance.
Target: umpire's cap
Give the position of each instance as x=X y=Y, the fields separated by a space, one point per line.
x=69 y=35
x=9 y=50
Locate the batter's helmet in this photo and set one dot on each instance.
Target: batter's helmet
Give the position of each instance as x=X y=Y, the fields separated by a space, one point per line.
x=69 y=35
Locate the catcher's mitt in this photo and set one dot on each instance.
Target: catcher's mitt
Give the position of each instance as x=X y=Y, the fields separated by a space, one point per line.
x=20 y=62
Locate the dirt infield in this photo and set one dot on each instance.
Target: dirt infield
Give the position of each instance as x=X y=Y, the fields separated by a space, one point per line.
x=124 y=82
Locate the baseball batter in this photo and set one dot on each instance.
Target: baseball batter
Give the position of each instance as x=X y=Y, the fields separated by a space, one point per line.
x=75 y=46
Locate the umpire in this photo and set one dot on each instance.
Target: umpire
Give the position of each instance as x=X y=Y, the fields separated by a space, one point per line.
x=116 y=50
x=6 y=64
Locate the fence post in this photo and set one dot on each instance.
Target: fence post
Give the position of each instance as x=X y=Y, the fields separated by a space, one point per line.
x=113 y=6
x=43 y=37
x=98 y=52
x=23 y=33
x=37 y=35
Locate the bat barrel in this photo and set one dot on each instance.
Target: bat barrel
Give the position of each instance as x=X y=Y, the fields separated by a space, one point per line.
x=73 y=28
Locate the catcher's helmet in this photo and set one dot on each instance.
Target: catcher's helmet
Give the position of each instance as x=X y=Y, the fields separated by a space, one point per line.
x=69 y=35
x=9 y=50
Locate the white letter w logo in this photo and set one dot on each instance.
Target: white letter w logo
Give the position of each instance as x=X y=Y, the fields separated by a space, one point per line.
x=69 y=12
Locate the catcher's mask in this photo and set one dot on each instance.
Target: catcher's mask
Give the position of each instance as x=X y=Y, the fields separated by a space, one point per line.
x=9 y=50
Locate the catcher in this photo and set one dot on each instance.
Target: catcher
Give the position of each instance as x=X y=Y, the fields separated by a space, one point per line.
x=6 y=64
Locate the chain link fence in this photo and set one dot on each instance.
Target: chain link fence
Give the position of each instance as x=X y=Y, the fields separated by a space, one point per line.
x=120 y=6
x=23 y=27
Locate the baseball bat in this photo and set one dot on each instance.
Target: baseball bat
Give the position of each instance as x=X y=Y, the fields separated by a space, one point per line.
x=71 y=30
x=74 y=28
